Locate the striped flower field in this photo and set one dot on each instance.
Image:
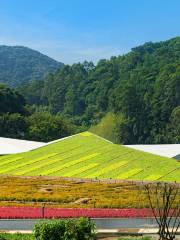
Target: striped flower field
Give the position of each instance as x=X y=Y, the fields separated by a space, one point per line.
x=86 y=155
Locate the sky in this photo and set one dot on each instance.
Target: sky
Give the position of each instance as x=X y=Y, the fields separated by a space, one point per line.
x=72 y=31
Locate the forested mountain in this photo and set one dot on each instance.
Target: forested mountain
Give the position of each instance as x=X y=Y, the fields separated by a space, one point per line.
x=141 y=89
x=21 y=64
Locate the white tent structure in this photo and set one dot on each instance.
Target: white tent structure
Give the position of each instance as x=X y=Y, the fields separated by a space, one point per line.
x=165 y=150
x=9 y=145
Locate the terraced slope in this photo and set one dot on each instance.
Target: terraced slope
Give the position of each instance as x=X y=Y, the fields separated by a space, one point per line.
x=88 y=156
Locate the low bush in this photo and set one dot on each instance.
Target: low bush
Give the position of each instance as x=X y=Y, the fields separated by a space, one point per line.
x=80 y=229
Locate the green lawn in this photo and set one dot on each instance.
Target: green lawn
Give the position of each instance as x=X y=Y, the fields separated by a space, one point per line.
x=17 y=236
x=88 y=156
x=135 y=238
x=6 y=236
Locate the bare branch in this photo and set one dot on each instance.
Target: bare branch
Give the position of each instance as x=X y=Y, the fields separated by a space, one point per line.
x=168 y=218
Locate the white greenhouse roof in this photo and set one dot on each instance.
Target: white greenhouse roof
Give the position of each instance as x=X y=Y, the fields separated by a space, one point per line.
x=9 y=145
x=166 y=150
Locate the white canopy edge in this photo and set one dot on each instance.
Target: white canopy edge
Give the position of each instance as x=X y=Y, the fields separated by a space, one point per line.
x=10 y=146
x=165 y=150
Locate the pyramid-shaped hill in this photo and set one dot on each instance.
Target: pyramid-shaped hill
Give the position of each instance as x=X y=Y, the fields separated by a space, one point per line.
x=86 y=155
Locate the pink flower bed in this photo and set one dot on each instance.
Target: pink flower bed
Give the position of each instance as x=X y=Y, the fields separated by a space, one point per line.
x=33 y=213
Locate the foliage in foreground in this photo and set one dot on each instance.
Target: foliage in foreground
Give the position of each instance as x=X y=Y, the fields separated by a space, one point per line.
x=79 y=229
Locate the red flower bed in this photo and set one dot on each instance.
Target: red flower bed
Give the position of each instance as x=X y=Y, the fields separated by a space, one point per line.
x=20 y=212
x=32 y=213
x=98 y=213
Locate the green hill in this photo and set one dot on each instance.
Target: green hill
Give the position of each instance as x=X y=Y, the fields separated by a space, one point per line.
x=88 y=156
x=21 y=64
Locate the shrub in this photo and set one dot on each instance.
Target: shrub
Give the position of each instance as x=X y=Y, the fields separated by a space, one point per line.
x=81 y=229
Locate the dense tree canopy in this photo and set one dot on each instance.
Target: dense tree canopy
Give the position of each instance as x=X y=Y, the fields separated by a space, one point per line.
x=11 y=101
x=13 y=126
x=141 y=88
x=42 y=126
x=18 y=120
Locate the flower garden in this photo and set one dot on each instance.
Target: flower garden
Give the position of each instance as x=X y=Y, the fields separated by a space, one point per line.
x=36 y=178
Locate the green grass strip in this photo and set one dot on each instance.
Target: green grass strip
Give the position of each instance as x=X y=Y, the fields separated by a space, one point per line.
x=10 y=160
x=107 y=169
x=68 y=164
x=129 y=173
x=36 y=167
x=22 y=164
x=80 y=170
x=153 y=177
